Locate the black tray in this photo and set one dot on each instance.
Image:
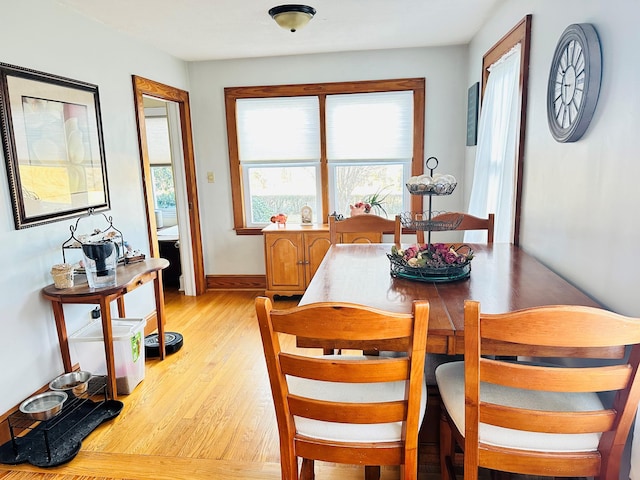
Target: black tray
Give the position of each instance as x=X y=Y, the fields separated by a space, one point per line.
x=57 y=441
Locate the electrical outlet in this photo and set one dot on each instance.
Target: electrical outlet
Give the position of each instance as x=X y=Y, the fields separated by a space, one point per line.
x=210 y=177
x=95 y=313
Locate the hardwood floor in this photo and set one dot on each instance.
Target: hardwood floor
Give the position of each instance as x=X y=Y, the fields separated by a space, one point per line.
x=205 y=412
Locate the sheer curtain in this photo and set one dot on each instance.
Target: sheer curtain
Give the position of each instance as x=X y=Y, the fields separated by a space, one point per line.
x=494 y=179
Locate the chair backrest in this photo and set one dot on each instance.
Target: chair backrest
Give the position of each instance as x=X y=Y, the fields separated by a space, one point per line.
x=469 y=222
x=345 y=321
x=366 y=228
x=552 y=331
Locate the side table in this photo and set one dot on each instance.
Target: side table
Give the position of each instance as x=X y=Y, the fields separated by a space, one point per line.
x=128 y=278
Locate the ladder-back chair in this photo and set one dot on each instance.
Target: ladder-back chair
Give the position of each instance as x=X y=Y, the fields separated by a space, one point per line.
x=469 y=222
x=365 y=228
x=346 y=409
x=541 y=418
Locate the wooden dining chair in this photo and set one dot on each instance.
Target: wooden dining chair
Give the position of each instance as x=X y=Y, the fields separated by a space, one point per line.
x=366 y=228
x=469 y=222
x=541 y=418
x=346 y=409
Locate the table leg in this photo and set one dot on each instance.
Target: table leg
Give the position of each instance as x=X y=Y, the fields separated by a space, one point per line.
x=63 y=339
x=157 y=286
x=107 y=334
x=121 y=312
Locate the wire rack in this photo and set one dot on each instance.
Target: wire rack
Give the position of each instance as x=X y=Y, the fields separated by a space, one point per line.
x=425 y=221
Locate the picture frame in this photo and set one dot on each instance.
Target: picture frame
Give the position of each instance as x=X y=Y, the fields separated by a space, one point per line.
x=472 y=114
x=53 y=145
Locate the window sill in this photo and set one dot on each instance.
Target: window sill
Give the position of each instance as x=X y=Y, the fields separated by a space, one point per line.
x=249 y=231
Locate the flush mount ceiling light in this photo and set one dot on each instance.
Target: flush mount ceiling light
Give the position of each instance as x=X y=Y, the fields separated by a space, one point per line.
x=292 y=17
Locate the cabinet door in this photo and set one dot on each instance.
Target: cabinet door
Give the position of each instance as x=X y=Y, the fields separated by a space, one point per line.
x=316 y=246
x=284 y=254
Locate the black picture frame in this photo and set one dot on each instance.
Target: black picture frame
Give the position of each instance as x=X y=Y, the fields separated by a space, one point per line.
x=473 y=96
x=53 y=145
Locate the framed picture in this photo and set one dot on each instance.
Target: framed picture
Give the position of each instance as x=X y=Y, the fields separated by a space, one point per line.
x=472 y=114
x=53 y=146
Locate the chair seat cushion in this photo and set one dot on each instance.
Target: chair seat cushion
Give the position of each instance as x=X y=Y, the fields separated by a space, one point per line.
x=450 y=380
x=352 y=393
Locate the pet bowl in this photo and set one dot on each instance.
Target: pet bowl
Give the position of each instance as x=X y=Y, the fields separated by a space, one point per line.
x=72 y=382
x=43 y=406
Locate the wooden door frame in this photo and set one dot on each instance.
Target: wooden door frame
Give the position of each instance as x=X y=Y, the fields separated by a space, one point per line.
x=142 y=87
x=521 y=33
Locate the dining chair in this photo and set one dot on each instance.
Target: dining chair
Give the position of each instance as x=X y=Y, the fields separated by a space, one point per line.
x=469 y=222
x=353 y=409
x=544 y=417
x=366 y=228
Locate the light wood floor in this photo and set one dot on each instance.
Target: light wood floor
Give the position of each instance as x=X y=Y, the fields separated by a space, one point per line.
x=204 y=412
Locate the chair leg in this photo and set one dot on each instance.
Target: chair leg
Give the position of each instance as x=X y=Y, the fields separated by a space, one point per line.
x=307 y=471
x=447 y=449
x=372 y=472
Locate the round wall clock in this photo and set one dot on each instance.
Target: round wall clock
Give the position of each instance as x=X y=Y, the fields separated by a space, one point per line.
x=574 y=82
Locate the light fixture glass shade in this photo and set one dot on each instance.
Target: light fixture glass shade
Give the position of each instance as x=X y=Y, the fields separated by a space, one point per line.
x=292 y=17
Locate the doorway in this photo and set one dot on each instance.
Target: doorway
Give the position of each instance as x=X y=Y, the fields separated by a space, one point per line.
x=176 y=102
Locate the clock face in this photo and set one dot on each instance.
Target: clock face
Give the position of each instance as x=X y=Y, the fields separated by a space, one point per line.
x=569 y=85
x=574 y=82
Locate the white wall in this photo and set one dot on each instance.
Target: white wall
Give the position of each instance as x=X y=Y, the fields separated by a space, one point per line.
x=581 y=199
x=580 y=204
x=445 y=127
x=41 y=35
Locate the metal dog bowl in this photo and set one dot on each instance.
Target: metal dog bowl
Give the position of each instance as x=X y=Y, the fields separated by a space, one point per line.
x=43 y=406
x=72 y=382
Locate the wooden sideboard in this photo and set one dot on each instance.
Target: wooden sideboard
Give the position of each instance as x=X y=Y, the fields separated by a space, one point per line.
x=292 y=255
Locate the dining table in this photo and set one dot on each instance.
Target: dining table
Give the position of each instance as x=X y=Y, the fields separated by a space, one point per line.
x=503 y=278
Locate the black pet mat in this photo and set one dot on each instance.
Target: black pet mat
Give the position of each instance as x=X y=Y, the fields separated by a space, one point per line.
x=64 y=437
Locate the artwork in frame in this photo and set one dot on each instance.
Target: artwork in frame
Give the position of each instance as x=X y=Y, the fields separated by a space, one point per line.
x=472 y=114
x=53 y=146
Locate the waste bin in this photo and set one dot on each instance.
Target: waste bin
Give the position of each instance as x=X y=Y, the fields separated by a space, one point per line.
x=87 y=349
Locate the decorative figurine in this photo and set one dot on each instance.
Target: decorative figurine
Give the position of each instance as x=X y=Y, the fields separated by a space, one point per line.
x=305 y=215
x=280 y=219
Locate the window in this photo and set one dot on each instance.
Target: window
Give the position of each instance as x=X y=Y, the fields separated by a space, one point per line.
x=279 y=153
x=159 y=146
x=322 y=145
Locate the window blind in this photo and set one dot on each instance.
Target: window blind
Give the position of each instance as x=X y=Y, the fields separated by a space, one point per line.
x=278 y=129
x=370 y=126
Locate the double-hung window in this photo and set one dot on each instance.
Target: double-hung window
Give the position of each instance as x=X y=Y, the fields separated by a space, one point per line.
x=159 y=147
x=326 y=146
x=279 y=153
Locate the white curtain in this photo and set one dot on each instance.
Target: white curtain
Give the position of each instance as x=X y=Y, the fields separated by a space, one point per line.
x=494 y=174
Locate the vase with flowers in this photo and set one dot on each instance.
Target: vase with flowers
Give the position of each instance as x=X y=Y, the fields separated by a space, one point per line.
x=369 y=203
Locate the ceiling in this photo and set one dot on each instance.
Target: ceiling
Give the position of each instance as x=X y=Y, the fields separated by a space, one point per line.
x=195 y=30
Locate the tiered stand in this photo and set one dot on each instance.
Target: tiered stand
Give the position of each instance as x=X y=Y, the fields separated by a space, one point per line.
x=426 y=222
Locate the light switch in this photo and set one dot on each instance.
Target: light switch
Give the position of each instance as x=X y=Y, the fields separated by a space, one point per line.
x=210 y=177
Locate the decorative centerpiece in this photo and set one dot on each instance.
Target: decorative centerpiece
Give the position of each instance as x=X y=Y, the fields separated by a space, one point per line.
x=431 y=262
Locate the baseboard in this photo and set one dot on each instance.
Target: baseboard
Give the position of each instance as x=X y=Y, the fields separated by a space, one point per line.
x=236 y=282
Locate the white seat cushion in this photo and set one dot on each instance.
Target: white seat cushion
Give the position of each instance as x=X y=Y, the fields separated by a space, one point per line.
x=450 y=379
x=352 y=393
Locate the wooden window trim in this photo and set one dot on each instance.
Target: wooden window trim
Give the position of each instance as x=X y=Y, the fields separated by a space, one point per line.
x=321 y=90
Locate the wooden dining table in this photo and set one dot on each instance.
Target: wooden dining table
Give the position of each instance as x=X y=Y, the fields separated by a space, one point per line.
x=503 y=278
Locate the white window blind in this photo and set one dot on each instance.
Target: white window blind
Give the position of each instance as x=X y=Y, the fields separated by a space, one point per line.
x=158 y=141
x=370 y=126
x=278 y=129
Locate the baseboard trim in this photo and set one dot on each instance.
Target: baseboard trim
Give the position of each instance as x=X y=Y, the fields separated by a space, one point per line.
x=236 y=282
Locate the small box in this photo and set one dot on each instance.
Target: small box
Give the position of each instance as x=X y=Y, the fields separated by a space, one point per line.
x=87 y=349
